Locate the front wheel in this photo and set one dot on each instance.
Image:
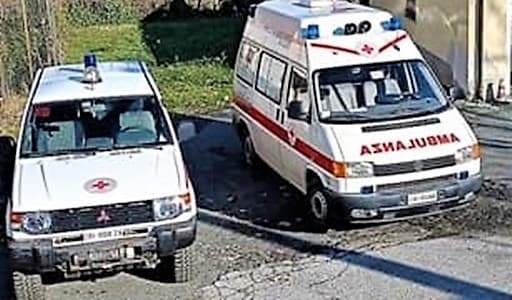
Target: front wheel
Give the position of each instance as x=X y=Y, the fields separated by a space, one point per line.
x=28 y=287
x=182 y=265
x=318 y=205
x=179 y=267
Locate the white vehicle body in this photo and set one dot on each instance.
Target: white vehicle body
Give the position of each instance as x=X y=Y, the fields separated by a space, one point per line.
x=93 y=207
x=371 y=169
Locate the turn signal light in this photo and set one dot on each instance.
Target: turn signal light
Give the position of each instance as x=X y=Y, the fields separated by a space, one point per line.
x=186 y=199
x=16 y=220
x=476 y=151
x=339 y=169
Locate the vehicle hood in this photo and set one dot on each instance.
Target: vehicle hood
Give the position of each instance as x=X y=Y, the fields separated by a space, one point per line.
x=404 y=140
x=105 y=178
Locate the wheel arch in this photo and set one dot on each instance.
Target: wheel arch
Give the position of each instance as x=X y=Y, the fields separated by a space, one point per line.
x=313 y=179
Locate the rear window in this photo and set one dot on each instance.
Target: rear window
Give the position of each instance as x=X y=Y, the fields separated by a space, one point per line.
x=270 y=77
x=247 y=63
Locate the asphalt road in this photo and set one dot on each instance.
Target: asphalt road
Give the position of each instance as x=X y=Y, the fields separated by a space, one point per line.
x=251 y=219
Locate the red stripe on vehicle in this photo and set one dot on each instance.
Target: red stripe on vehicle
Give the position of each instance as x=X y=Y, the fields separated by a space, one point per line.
x=393 y=43
x=336 y=48
x=300 y=145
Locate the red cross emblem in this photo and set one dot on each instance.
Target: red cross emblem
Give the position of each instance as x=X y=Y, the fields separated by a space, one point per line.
x=103 y=217
x=291 y=137
x=368 y=49
x=100 y=185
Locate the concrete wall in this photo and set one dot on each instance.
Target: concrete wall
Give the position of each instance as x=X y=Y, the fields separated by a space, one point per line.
x=447 y=30
x=496 y=37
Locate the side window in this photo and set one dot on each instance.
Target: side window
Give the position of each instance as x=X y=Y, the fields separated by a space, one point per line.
x=270 y=77
x=298 y=89
x=247 y=63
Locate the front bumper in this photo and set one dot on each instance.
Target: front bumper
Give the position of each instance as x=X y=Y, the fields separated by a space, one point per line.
x=393 y=206
x=41 y=256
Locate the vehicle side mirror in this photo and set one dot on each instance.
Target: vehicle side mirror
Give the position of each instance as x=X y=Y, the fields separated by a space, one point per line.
x=456 y=93
x=324 y=93
x=7 y=157
x=7 y=146
x=186 y=131
x=297 y=111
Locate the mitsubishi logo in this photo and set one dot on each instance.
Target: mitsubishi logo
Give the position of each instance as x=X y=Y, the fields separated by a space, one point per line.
x=103 y=217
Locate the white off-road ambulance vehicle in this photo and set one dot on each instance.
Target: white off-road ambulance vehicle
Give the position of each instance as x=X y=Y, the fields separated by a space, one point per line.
x=99 y=180
x=338 y=100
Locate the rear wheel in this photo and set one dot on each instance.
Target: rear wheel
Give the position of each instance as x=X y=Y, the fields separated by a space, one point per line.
x=250 y=156
x=28 y=287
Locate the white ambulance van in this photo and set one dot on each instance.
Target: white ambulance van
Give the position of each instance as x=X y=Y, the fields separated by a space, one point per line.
x=339 y=101
x=99 y=183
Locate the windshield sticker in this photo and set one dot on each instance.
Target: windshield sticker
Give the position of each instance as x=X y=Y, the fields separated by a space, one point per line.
x=377 y=75
x=415 y=143
x=42 y=112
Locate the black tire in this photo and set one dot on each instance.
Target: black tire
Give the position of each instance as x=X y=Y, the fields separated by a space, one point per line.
x=179 y=267
x=183 y=265
x=318 y=208
x=28 y=287
x=249 y=154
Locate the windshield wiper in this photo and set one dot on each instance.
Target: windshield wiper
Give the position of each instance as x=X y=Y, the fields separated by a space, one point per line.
x=349 y=117
x=150 y=145
x=85 y=151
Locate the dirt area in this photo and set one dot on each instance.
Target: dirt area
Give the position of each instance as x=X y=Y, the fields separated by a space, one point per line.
x=249 y=219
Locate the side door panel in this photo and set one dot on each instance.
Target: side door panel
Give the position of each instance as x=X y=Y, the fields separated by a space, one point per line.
x=298 y=131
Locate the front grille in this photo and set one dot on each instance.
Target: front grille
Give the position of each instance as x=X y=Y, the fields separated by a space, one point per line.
x=102 y=216
x=414 y=166
x=416 y=186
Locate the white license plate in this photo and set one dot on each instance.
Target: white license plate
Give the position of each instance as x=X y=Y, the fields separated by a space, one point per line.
x=421 y=198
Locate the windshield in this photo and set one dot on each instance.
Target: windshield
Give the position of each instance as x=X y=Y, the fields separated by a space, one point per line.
x=377 y=92
x=103 y=124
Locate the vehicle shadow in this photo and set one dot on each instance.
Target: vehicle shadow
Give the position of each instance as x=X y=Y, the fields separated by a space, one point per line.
x=225 y=184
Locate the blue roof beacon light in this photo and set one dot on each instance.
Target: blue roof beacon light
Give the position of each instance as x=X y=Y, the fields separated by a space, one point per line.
x=90 y=60
x=312 y=32
x=392 y=24
x=91 y=72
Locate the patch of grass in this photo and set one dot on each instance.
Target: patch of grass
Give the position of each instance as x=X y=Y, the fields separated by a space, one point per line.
x=190 y=59
x=109 y=42
x=197 y=38
x=195 y=87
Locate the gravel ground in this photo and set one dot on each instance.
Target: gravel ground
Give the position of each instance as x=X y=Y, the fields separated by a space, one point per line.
x=251 y=219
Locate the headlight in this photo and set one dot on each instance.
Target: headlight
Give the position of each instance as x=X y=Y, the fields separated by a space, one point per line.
x=468 y=153
x=37 y=223
x=359 y=169
x=171 y=207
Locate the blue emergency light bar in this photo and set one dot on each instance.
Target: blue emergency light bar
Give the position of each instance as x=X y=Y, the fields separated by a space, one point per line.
x=392 y=24
x=90 y=60
x=312 y=32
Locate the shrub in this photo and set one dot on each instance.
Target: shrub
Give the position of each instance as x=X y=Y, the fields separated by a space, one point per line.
x=99 y=12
